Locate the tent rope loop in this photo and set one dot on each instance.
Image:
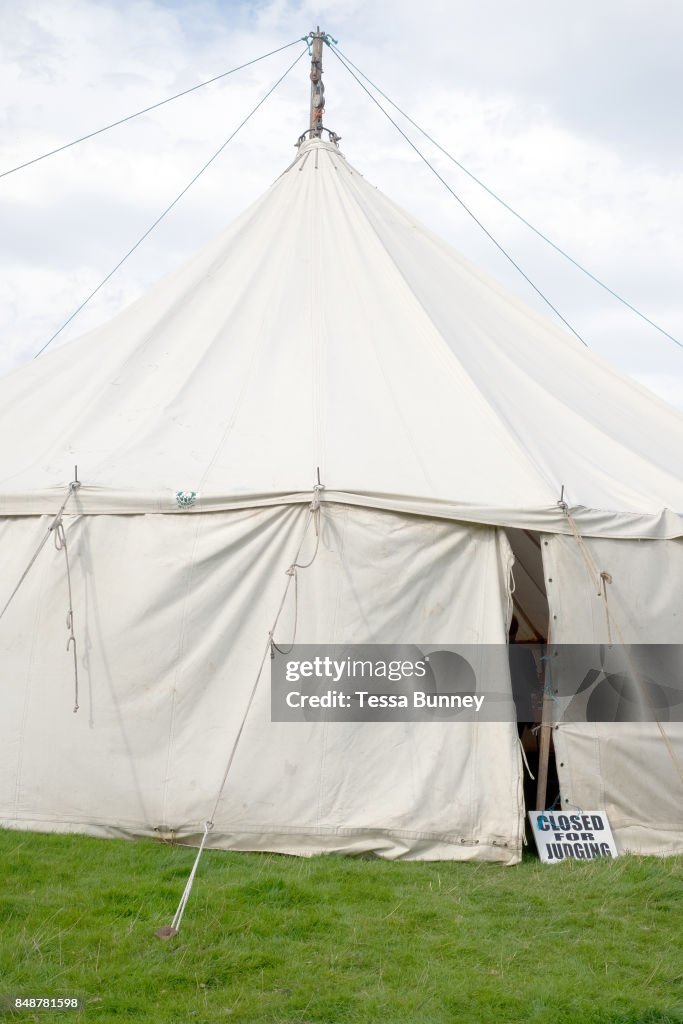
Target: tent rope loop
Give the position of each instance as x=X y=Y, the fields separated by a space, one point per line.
x=315 y=503
x=524 y=759
x=599 y=577
x=314 y=509
x=291 y=572
x=71 y=644
x=606 y=578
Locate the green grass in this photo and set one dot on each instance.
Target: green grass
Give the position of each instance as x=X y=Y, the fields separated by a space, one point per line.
x=332 y=940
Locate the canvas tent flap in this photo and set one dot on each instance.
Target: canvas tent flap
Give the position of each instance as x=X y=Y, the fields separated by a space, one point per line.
x=172 y=615
x=632 y=770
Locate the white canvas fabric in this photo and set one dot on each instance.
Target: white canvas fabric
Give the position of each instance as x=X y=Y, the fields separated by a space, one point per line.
x=632 y=770
x=325 y=328
x=146 y=752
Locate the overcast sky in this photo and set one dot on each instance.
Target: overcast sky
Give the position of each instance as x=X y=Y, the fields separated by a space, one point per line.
x=571 y=113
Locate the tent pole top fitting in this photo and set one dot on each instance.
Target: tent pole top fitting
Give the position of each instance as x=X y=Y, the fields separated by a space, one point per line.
x=317 y=134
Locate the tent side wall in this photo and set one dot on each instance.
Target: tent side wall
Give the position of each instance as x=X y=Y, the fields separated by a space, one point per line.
x=632 y=770
x=172 y=614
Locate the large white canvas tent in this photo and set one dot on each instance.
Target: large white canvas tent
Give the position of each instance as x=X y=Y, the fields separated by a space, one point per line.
x=324 y=332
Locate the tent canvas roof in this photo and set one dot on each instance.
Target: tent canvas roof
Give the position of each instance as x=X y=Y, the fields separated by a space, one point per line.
x=326 y=328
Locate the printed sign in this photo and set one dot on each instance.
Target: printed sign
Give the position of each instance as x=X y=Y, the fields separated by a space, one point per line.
x=582 y=836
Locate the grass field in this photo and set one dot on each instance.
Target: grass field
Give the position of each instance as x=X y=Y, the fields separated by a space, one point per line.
x=287 y=941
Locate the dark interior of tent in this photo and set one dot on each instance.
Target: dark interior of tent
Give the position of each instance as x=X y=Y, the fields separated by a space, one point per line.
x=530 y=627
